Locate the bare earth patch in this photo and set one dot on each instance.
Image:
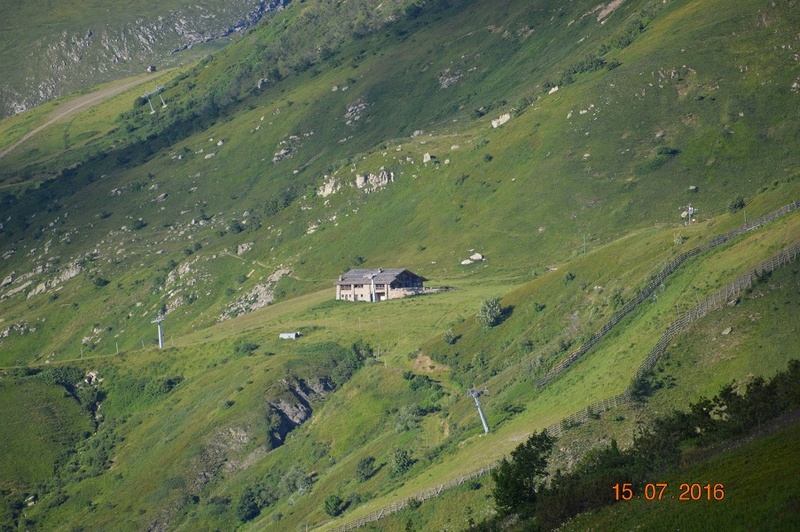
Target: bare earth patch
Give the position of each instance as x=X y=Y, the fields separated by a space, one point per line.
x=608 y=9
x=424 y=364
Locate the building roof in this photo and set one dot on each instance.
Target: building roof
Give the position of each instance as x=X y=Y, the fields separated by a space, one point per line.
x=381 y=276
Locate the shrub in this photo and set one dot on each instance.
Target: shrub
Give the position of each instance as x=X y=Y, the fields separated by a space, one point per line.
x=400 y=463
x=449 y=338
x=490 y=312
x=244 y=348
x=365 y=468
x=295 y=480
x=247 y=508
x=161 y=385
x=736 y=204
x=333 y=505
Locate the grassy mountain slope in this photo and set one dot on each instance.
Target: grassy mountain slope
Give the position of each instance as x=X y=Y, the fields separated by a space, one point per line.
x=718 y=359
x=52 y=50
x=243 y=192
x=466 y=202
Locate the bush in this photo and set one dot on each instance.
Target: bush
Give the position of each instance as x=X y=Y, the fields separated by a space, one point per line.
x=449 y=338
x=401 y=462
x=247 y=507
x=490 y=312
x=736 y=204
x=244 y=348
x=295 y=480
x=526 y=345
x=252 y=500
x=161 y=385
x=365 y=468
x=334 y=505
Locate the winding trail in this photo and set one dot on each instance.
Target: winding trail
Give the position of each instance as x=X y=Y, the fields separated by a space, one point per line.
x=78 y=104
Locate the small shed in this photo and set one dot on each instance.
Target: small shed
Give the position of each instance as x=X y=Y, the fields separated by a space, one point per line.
x=290 y=335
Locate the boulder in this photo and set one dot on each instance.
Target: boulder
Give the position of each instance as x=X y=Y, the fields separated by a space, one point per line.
x=497 y=122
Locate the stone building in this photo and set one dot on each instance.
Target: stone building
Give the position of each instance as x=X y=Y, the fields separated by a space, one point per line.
x=377 y=285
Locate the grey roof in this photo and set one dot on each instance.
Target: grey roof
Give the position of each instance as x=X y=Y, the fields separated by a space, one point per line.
x=381 y=276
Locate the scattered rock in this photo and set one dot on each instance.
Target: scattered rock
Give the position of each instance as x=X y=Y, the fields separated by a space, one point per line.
x=727 y=331
x=260 y=296
x=449 y=78
x=354 y=111
x=281 y=155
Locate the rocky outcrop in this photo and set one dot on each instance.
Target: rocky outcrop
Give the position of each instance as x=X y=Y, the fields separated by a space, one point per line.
x=292 y=406
x=66 y=61
x=372 y=182
x=260 y=296
x=330 y=186
x=497 y=122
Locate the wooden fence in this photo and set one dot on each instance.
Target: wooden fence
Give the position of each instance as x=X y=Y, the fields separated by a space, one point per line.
x=420 y=497
x=717 y=300
x=654 y=283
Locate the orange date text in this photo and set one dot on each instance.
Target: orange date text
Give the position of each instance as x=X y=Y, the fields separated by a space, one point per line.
x=657 y=491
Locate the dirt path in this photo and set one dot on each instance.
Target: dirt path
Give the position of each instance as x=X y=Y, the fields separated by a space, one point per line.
x=78 y=104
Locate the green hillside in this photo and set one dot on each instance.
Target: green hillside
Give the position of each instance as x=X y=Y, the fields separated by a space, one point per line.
x=562 y=142
x=52 y=50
